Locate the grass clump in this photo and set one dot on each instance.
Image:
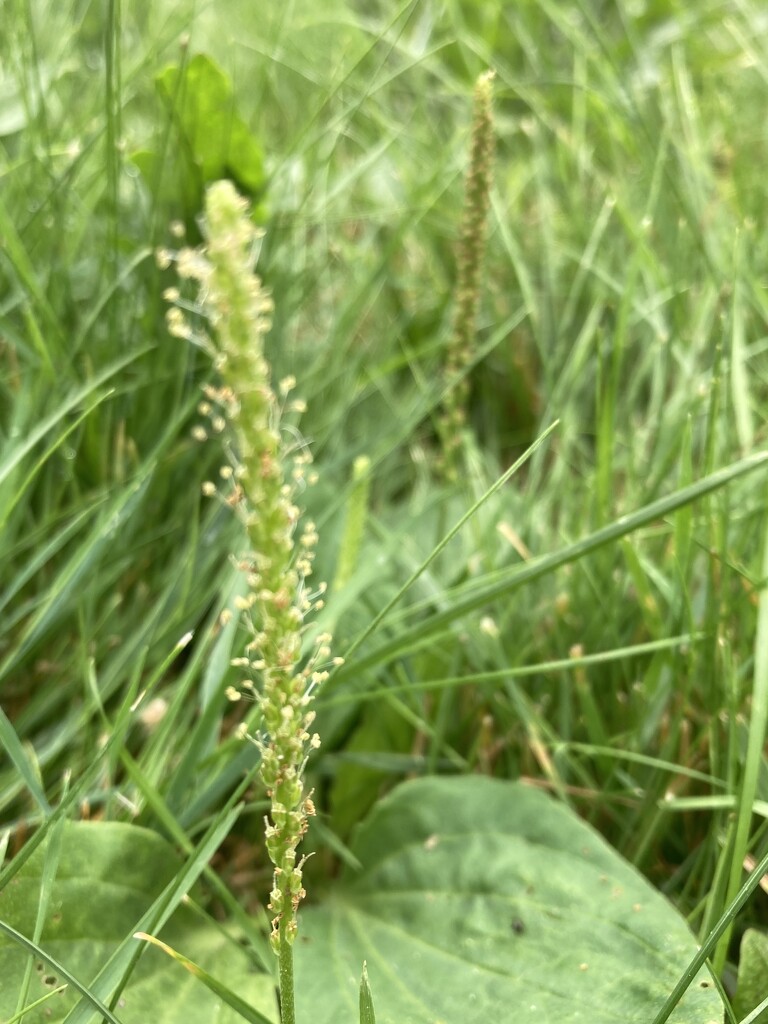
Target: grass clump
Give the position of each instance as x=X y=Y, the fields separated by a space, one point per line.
x=622 y=295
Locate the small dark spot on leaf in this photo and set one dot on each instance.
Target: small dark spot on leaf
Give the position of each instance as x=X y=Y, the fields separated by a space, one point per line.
x=50 y=980
x=703 y=984
x=518 y=927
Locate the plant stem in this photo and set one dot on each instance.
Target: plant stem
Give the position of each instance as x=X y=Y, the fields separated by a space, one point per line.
x=287 y=1009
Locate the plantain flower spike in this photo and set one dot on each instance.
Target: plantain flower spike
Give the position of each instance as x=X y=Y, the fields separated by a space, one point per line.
x=260 y=483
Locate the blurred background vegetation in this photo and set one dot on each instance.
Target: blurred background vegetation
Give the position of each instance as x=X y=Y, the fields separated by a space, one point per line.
x=624 y=295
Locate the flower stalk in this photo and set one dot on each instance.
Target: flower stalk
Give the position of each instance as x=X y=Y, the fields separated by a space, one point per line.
x=469 y=262
x=260 y=483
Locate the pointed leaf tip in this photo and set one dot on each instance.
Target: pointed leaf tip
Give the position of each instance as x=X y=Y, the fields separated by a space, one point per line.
x=367 y=1015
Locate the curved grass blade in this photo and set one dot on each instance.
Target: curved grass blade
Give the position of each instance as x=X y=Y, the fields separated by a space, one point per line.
x=246 y=1011
x=33 y=1006
x=367 y=1015
x=10 y=742
x=706 y=948
x=503 y=583
x=378 y=619
x=60 y=971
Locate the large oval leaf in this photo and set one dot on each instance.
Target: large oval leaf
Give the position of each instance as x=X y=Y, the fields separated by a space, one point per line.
x=107 y=877
x=482 y=901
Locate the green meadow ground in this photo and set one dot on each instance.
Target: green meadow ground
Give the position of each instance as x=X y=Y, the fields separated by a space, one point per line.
x=617 y=657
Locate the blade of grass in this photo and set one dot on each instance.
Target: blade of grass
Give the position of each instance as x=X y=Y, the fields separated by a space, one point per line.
x=511 y=579
x=47 y=878
x=245 y=1010
x=37 y=1003
x=18 y=755
x=367 y=1015
x=379 y=618
x=514 y=671
x=753 y=760
x=113 y=976
x=76 y=397
x=60 y=971
x=724 y=924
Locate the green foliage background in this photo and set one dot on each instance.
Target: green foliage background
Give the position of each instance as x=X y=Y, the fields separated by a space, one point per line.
x=623 y=296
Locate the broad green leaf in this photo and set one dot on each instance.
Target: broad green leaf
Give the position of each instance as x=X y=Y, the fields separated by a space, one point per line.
x=220 y=141
x=108 y=875
x=209 y=139
x=357 y=780
x=481 y=900
x=752 y=985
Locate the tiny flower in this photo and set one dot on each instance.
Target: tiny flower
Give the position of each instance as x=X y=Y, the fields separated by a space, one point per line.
x=177 y=324
x=489 y=627
x=153 y=713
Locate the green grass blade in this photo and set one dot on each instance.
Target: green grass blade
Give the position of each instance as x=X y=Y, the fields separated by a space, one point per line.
x=246 y=1011
x=93 y=1001
x=367 y=1015
x=76 y=397
x=18 y=755
x=379 y=618
x=754 y=757
x=510 y=580
x=113 y=976
x=709 y=944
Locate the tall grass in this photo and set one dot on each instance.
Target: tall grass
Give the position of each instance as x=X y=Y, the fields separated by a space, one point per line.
x=618 y=662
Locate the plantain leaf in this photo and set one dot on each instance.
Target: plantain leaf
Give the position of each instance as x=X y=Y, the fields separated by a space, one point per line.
x=752 y=984
x=482 y=900
x=207 y=140
x=108 y=875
